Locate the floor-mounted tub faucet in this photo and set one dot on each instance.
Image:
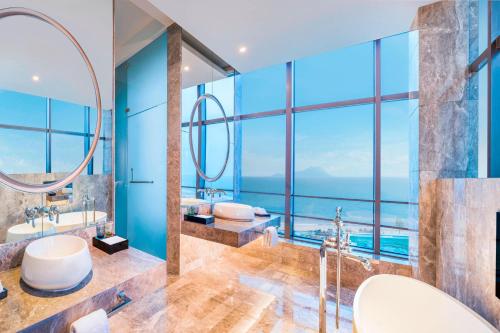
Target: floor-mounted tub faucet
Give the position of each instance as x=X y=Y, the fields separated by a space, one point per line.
x=340 y=244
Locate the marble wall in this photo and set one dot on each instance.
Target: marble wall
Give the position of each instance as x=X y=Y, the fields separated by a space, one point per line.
x=456 y=244
x=447 y=130
x=466 y=242
x=196 y=253
x=14 y=203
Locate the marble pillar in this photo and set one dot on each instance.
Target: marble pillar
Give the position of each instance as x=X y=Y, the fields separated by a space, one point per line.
x=447 y=131
x=174 y=110
x=466 y=242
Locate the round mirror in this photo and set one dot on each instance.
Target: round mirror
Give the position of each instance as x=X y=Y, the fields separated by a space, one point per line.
x=50 y=104
x=200 y=172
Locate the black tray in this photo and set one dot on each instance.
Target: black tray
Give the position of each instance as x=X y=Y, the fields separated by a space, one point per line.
x=199 y=219
x=109 y=249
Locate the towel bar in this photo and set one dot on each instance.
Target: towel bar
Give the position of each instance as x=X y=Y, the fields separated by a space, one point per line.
x=123 y=300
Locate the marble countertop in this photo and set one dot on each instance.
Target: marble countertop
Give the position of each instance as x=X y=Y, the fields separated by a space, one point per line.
x=20 y=309
x=227 y=232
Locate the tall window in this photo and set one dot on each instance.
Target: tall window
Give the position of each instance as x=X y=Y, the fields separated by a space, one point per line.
x=336 y=129
x=42 y=135
x=484 y=83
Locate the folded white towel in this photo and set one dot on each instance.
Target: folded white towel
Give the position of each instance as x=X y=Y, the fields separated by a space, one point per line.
x=259 y=211
x=270 y=237
x=95 y=322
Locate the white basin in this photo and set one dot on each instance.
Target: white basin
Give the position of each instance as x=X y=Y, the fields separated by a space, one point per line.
x=233 y=211
x=22 y=231
x=192 y=202
x=74 y=220
x=56 y=263
x=394 y=304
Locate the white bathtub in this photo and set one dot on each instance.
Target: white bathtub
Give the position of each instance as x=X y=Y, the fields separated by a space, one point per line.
x=396 y=304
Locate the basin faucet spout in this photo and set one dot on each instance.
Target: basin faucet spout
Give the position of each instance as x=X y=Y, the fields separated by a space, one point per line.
x=30 y=214
x=54 y=211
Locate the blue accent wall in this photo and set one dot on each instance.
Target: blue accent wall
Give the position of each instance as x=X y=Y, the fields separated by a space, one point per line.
x=141 y=135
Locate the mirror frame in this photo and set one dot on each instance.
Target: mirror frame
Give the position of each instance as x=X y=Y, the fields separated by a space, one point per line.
x=43 y=188
x=191 y=147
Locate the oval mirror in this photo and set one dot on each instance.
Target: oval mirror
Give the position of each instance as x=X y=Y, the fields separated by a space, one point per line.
x=50 y=104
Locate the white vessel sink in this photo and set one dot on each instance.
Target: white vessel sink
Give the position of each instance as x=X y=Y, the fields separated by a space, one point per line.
x=233 y=211
x=22 y=231
x=192 y=202
x=56 y=263
x=74 y=220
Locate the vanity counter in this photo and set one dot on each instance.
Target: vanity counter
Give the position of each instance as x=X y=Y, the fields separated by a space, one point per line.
x=132 y=271
x=227 y=232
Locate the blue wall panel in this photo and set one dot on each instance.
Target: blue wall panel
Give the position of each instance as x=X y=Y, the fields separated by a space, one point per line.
x=141 y=134
x=146 y=77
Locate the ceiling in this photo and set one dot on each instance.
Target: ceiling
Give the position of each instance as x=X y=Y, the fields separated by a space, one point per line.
x=278 y=31
x=137 y=24
x=36 y=48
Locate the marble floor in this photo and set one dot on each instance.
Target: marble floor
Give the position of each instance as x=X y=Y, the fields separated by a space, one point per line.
x=238 y=293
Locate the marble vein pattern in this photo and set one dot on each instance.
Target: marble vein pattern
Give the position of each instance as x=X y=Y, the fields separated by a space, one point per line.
x=236 y=293
x=198 y=253
x=14 y=203
x=466 y=238
x=447 y=123
x=232 y=233
x=174 y=100
x=132 y=271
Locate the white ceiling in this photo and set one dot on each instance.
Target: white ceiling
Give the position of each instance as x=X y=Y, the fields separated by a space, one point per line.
x=35 y=48
x=137 y=25
x=277 y=31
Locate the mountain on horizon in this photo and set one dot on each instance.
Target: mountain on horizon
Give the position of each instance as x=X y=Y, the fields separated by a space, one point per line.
x=312 y=172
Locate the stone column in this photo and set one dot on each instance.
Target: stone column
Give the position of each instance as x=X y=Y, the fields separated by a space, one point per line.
x=174 y=110
x=447 y=131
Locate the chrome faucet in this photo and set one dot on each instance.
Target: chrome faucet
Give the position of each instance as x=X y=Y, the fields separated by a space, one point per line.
x=54 y=211
x=30 y=214
x=211 y=192
x=86 y=200
x=341 y=244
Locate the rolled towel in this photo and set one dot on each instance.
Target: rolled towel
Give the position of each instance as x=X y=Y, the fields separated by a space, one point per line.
x=95 y=322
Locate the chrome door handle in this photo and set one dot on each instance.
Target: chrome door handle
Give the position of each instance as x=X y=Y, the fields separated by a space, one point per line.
x=132 y=181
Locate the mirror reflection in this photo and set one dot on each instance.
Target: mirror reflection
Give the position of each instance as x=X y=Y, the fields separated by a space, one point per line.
x=47 y=124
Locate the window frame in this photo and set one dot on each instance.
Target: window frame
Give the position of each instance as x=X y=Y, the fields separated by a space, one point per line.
x=49 y=131
x=289 y=111
x=476 y=64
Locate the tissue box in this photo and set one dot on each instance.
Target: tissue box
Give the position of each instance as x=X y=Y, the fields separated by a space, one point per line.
x=110 y=245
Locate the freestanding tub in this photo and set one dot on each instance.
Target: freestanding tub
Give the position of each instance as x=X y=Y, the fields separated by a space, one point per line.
x=56 y=263
x=394 y=304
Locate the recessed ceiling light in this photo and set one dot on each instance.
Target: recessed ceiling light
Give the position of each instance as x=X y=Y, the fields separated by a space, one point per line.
x=186 y=68
x=243 y=49
x=35 y=78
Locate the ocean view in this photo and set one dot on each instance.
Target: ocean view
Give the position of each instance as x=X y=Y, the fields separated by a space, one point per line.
x=310 y=213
